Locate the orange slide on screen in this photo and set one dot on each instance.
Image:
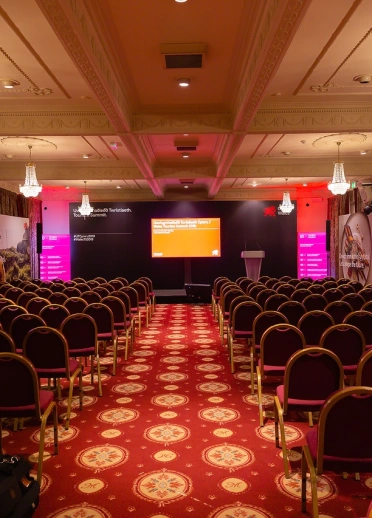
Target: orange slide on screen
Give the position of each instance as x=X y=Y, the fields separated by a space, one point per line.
x=186 y=237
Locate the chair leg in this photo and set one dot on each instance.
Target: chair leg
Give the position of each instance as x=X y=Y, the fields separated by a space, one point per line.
x=252 y=369
x=279 y=422
x=306 y=460
x=98 y=374
x=259 y=391
x=311 y=422
x=115 y=357
x=51 y=407
x=231 y=353
x=70 y=393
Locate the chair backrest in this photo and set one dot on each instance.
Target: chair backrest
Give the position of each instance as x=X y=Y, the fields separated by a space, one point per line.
x=347 y=342
x=278 y=343
x=285 y=289
x=72 y=291
x=366 y=293
x=44 y=292
x=357 y=285
x=31 y=287
x=363 y=321
x=346 y=288
x=6 y=343
x=254 y=289
x=245 y=283
x=47 y=349
x=82 y=287
x=13 y=293
x=102 y=316
x=227 y=299
x=101 y=280
x=263 y=278
x=355 y=300
x=57 y=298
x=103 y=292
x=277 y=285
x=21 y=325
x=313 y=324
x=79 y=279
x=116 y=284
x=344 y=431
x=148 y=282
x=80 y=331
x=19 y=387
x=292 y=310
x=117 y=307
x=271 y=282
x=317 y=288
x=338 y=309
x=294 y=282
x=133 y=296
x=314 y=301
x=330 y=284
x=312 y=374
x=300 y=294
x=107 y=286
x=332 y=294
x=123 y=280
x=54 y=315
x=263 y=295
x=342 y=280
x=57 y=287
x=25 y=297
x=92 y=283
x=218 y=284
x=274 y=301
x=75 y=304
x=263 y=321
x=35 y=305
x=124 y=297
x=90 y=296
x=8 y=314
x=304 y=284
x=5 y=287
x=364 y=370
x=243 y=316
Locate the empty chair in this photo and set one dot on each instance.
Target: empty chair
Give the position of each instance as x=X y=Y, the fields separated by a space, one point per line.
x=92 y=283
x=311 y=376
x=106 y=332
x=342 y=440
x=54 y=315
x=123 y=280
x=292 y=310
x=25 y=297
x=107 y=286
x=285 y=278
x=143 y=300
x=286 y=289
x=43 y=292
x=300 y=294
x=35 y=305
x=123 y=322
x=13 y=294
x=364 y=370
x=151 y=292
x=21 y=325
x=271 y=281
x=263 y=295
x=346 y=288
x=116 y=284
x=366 y=293
x=134 y=305
x=347 y=342
x=57 y=287
x=102 y=291
x=330 y=284
x=317 y=288
x=263 y=278
x=277 y=285
x=78 y=279
x=314 y=301
x=363 y=321
x=313 y=324
x=31 y=287
x=357 y=285
x=80 y=331
x=241 y=325
x=244 y=283
x=8 y=314
x=225 y=304
x=254 y=289
x=342 y=280
x=6 y=302
x=47 y=349
x=355 y=300
x=294 y=282
x=4 y=288
x=332 y=294
x=338 y=309
x=72 y=291
x=366 y=307
x=216 y=290
x=274 y=301
x=21 y=397
x=90 y=296
x=82 y=287
x=100 y=280
x=6 y=343
x=75 y=305
x=57 y=298
x=261 y=323
x=303 y=284
x=278 y=343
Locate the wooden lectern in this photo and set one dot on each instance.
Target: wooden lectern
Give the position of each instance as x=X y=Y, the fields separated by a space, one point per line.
x=253 y=262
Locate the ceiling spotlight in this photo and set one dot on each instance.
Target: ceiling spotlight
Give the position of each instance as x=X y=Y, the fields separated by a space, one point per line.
x=67 y=187
x=363 y=152
x=185 y=155
x=9 y=83
x=286 y=153
x=181 y=1
x=118 y=187
x=183 y=82
x=304 y=184
x=185 y=186
x=363 y=78
x=86 y=155
x=114 y=145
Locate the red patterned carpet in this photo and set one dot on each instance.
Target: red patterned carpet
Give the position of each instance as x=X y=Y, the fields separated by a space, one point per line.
x=176 y=434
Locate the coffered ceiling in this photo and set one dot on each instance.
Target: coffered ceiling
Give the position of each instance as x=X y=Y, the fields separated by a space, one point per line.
x=274 y=85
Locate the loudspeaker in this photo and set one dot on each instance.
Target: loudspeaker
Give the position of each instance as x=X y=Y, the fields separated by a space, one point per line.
x=39 y=238
x=328 y=235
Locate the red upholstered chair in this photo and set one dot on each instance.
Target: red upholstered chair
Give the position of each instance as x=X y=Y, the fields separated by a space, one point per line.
x=278 y=343
x=357 y=285
x=255 y=288
x=364 y=370
x=313 y=324
x=21 y=325
x=13 y=293
x=263 y=278
x=75 y=305
x=226 y=299
x=263 y=295
x=43 y=292
x=123 y=280
x=35 y=305
x=292 y=310
x=123 y=322
x=304 y=284
x=294 y=282
x=274 y=301
x=57 y=298
x=355 y=300
x=31 y=286
x=330 y=284
x=82 y=287
x=90 y=296
x=92 y=283
x=271 y=282
x=20 y=397
x=6 y=343
x=108 y=287
x=151 y=292
x=300 y=294
x=5 y=287
x=347 y=342
x=80 y=331
x=346 y=288
x=241 y=326
x=8 y=314
x=217 y=284
x=6 y=302
x=286 y=289
x=72 y=291
x=311 y=376
x=134 y=305
x=285 y=278
x=106 y=332
x=47 y=349
x=116 y=284
x=25 y=297
x=261 y=323
x=342 y=440
x=57 y=287
x=363 y=321
x=54 y=315
x=332 y=294
x=244 y=283
x=317 y=288
x=314 y=301
x=338 y=309
x=101 y=290
x=100 y=280
x=366 y=293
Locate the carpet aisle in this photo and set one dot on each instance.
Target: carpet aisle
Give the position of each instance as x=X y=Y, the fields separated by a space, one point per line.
x=176 y=434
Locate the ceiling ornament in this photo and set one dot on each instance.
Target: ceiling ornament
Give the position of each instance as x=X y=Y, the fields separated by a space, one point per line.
x=286 y=206
x=85 y=208
x=31 y=187
x=339 y=185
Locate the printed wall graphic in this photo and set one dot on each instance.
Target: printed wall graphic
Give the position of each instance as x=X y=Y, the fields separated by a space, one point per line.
x=355 y=247
x=14 y=248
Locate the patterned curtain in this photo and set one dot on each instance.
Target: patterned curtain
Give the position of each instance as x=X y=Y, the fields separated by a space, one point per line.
x=13 y=204
x=338 y=206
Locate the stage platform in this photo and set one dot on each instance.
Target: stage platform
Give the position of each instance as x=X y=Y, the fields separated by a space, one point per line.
x=180 y=296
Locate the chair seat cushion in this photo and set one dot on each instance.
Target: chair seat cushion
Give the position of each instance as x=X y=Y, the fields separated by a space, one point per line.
x=306 y=403
x=46 y=397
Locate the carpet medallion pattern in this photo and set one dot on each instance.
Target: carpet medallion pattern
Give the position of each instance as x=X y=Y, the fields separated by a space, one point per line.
x=176 y=434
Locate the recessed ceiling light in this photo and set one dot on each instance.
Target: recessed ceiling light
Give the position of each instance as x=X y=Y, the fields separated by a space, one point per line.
x=181 y=1
x=118 y=187
x=286 y=153
x=9 y=83
x=114 y=145
x=185 y=155
x=67 y=186
x=253 y=184
x=183 y=82
x=185 y=186
x=86 y=155
x=363 y=152
x=304 y=184
x=9 y=156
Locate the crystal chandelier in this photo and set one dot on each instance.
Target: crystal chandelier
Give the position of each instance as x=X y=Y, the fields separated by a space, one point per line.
x=85 y=208
x=31 y=188
x=339 y=185
x=286 y=206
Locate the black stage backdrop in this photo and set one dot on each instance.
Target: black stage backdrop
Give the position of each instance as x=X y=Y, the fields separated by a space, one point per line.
x=116 y=241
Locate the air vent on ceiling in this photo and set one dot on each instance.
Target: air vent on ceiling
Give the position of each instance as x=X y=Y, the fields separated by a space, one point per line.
x=187 y=181
x=186 y=148
x=183 y=55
